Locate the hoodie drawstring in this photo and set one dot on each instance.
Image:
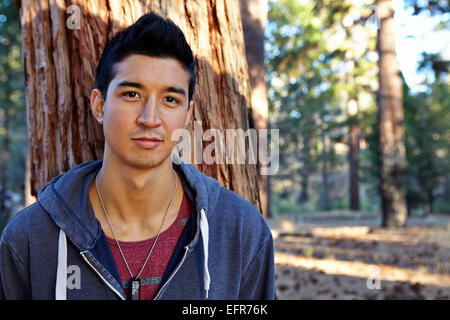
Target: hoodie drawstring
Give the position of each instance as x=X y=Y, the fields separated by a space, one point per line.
x=61 y=272
x=204 y=229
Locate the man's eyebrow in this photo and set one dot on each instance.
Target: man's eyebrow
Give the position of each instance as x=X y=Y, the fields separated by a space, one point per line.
x=176 y=90
x=126 y=83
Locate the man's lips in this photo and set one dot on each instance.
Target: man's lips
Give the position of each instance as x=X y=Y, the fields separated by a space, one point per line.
x=147 y=142
x=147 y=139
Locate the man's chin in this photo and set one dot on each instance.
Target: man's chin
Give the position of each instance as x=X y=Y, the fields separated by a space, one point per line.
x=149 y=163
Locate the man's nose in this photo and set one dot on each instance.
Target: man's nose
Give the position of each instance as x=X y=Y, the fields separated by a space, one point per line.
x=149 y=116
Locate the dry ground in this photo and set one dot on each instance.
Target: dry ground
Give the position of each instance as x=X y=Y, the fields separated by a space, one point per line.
x=340 y=256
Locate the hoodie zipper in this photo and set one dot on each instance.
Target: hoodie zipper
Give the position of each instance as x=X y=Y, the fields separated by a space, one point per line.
x=186 y=248
x=99 y=274
x=116 y=292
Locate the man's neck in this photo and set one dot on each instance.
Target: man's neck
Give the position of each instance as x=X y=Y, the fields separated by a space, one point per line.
x=136 y=200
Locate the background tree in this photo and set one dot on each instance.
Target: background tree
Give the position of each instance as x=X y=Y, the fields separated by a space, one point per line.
x=391 y=147
x=427 y=115
x=426 y=121
x=321 y=67
x=61 y=47
x=254 y=19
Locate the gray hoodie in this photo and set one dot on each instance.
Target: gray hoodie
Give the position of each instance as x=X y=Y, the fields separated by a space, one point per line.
x=56 y=248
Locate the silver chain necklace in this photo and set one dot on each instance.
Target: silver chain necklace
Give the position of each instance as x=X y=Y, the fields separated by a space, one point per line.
x=135 y=281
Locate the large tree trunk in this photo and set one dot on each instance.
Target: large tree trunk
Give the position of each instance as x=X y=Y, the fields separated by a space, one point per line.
x=391 y=148
x=61 y=50
x=254 y=19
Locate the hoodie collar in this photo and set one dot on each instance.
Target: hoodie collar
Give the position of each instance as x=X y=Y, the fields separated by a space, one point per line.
x=66 y=199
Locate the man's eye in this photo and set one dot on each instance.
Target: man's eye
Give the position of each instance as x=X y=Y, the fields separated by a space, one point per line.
x=172 y=100
x=130 y=94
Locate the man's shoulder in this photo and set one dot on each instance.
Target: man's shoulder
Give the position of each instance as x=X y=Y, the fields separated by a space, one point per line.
x=233 y=201
x=21 y=225
x=234 y=209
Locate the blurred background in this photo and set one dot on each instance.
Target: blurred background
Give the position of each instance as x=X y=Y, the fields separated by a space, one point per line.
x=322 y=84
x=322 y=74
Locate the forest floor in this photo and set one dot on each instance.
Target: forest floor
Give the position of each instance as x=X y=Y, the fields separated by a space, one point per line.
x=343 y=255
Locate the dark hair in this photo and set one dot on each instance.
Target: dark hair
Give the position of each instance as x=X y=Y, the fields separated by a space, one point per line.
x=151 y=35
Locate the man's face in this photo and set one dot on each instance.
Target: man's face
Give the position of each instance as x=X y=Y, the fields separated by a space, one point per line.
x=146 y=101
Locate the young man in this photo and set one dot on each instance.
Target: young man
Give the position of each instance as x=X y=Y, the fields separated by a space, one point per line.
x=140 y=224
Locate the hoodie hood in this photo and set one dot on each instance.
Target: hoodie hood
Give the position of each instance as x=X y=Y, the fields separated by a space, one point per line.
x=66 y=200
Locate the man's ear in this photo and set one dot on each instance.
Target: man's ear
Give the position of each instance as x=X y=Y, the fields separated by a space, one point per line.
x=97 y=104
x=189 y=113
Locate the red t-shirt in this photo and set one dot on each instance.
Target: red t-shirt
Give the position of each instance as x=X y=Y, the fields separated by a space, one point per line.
x=136 y=252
